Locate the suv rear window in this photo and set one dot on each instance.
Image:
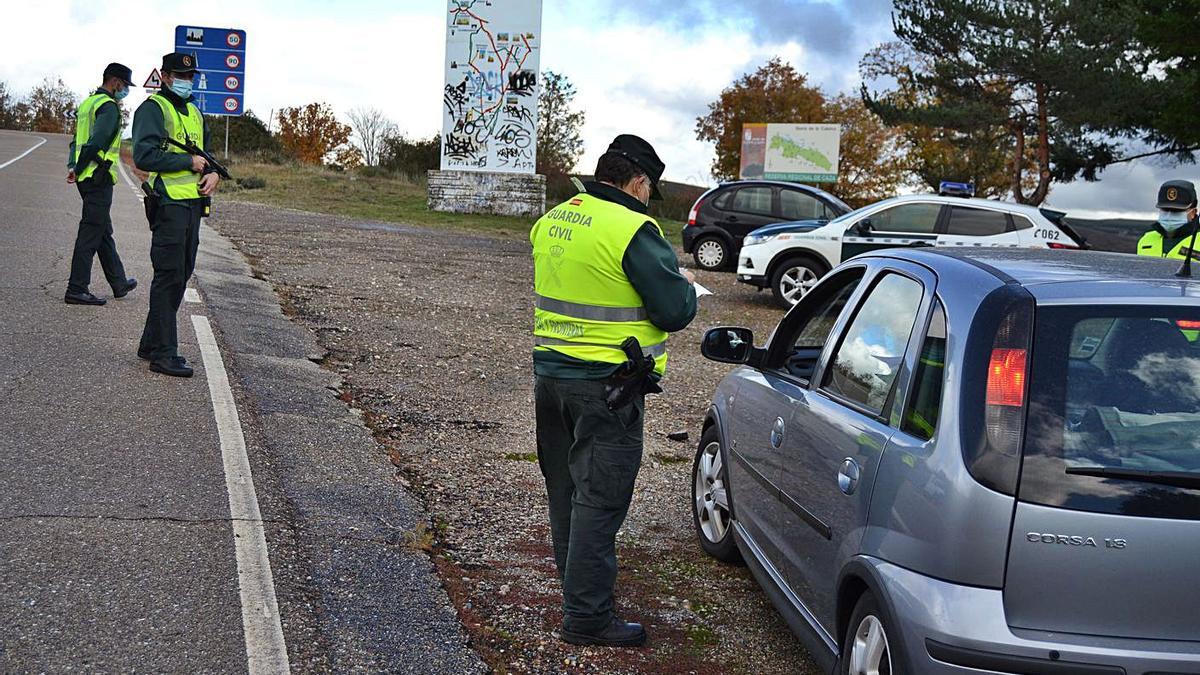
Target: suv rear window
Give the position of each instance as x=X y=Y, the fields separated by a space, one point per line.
x=1114 y=412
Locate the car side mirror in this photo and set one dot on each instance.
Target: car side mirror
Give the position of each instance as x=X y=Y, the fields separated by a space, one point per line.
x=728 y=344
x=862 y=228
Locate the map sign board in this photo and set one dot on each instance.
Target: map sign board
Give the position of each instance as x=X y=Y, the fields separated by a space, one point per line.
x=489 y=112
x=794 y=152
x=220 y=55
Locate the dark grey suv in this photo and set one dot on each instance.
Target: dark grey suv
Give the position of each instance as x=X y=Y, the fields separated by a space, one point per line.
x=969 y=462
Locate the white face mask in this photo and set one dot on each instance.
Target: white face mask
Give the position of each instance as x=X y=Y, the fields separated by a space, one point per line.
x=1172 y=221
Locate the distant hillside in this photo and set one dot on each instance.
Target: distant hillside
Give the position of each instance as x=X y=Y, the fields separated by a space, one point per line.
x=1117 y=234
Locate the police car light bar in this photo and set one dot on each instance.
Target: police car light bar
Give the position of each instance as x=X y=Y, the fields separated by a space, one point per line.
x=949 y=188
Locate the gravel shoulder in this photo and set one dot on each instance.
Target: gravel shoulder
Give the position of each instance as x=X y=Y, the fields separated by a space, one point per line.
x=429 y=333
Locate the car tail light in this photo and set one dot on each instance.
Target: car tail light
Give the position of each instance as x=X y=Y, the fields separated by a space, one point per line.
x=1058 y=246
x=1185 y=324
x=1006 y=378
x=691 y=221
x=996 y=391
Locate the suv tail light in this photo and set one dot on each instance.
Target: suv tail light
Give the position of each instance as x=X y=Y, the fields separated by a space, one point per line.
x=1185 y=324
x=993 y=453
x=691 y=221
x=1056 y=245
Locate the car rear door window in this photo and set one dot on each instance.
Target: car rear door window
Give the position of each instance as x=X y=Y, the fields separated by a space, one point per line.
x=925 y=404
x=867 y=360
x=976 y=222
x=907 y=218
x=796 y=205
x=1114 y=412
x=753 y=200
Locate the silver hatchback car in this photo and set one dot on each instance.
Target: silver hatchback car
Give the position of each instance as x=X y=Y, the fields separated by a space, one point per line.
x=969 y=462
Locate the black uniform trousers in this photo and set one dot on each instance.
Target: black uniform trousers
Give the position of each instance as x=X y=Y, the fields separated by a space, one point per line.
x=174 y=240
x=95 y=236
x=589 y=456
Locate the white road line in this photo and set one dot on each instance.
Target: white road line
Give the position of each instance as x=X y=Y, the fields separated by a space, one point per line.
x=14 y=159
x=266 y=651
x=125 y=175
x=191 y=295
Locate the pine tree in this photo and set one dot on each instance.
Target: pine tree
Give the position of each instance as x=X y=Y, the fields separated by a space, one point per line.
x=1056 y=76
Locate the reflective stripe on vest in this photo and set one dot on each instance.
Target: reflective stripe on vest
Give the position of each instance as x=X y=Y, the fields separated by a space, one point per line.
x=180 y=184
x=85 y=120
x=1151 y=243
x=585 y=305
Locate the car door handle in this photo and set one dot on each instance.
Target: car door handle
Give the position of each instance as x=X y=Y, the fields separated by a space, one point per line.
x=777 y=433
x=731 y=219
x=848 y=476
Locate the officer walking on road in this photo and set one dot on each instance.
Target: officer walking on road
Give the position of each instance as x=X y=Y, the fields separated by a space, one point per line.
x=603 y=273
x=1171 y=234
x=92 y=167
x=181 y=185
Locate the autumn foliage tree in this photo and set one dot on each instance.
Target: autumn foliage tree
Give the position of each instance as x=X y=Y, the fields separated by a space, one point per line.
x=51 y=107
x=775 y=92
x=311 y=133
x=872 y=164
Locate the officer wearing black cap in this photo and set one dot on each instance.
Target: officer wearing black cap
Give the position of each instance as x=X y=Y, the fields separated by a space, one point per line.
x=1172 y=233
x=181 y=185
x=603 y=273
x=92 y=166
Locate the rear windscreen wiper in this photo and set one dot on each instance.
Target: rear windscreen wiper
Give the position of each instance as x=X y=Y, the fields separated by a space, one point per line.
x=1182 y=479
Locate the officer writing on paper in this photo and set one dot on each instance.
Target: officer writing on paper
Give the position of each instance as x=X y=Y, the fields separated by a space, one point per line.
x=609 y=289
x=1171 y=234
x=179 y=191
x=92 y=167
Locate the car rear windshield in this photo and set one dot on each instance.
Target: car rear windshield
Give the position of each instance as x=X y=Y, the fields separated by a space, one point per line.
x=1114 y=411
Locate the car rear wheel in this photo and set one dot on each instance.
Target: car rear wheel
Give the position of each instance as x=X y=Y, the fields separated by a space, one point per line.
x=711 y=253
x=711 y=513
x=795 y=277
x=866 y=649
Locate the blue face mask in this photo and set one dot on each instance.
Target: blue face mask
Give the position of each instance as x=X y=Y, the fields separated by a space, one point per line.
x=1172 y=221
x=182 y=88
x=121 y=93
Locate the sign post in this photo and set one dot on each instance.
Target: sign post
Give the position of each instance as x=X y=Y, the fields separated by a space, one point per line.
x=220 y=55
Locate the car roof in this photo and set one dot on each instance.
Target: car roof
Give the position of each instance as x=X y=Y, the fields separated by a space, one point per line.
x=781 y=183
x=1062 y=276
x=1009 y=207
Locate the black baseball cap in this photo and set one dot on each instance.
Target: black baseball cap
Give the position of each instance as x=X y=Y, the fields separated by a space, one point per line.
x=179 y=62
x=641 y=153
x=121 y=71
x=1177 y=195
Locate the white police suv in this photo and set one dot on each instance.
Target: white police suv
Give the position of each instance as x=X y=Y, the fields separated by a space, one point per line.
x=791 y=257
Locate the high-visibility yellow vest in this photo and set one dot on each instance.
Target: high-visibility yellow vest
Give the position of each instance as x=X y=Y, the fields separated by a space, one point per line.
x=180 y=184
x=586 y=306
x=85 y=119
x=1151 y=243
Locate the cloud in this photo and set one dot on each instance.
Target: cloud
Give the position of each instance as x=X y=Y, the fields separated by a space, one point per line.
x=827 y=28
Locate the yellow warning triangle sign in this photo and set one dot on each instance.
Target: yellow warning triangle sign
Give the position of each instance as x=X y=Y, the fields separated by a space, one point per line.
x=154 y=81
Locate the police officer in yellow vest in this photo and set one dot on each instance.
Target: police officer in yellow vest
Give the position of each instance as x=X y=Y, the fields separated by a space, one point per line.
x=92 y=167
x=182 y=184
x=603 y=272
x=1171 y=235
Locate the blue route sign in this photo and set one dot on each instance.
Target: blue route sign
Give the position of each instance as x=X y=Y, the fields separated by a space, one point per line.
x=220 y=84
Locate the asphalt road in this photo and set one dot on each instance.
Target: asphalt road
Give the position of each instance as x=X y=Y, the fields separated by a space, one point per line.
x=117 y=550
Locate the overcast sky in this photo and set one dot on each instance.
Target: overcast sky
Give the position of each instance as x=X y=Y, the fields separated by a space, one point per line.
x=648 y=67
